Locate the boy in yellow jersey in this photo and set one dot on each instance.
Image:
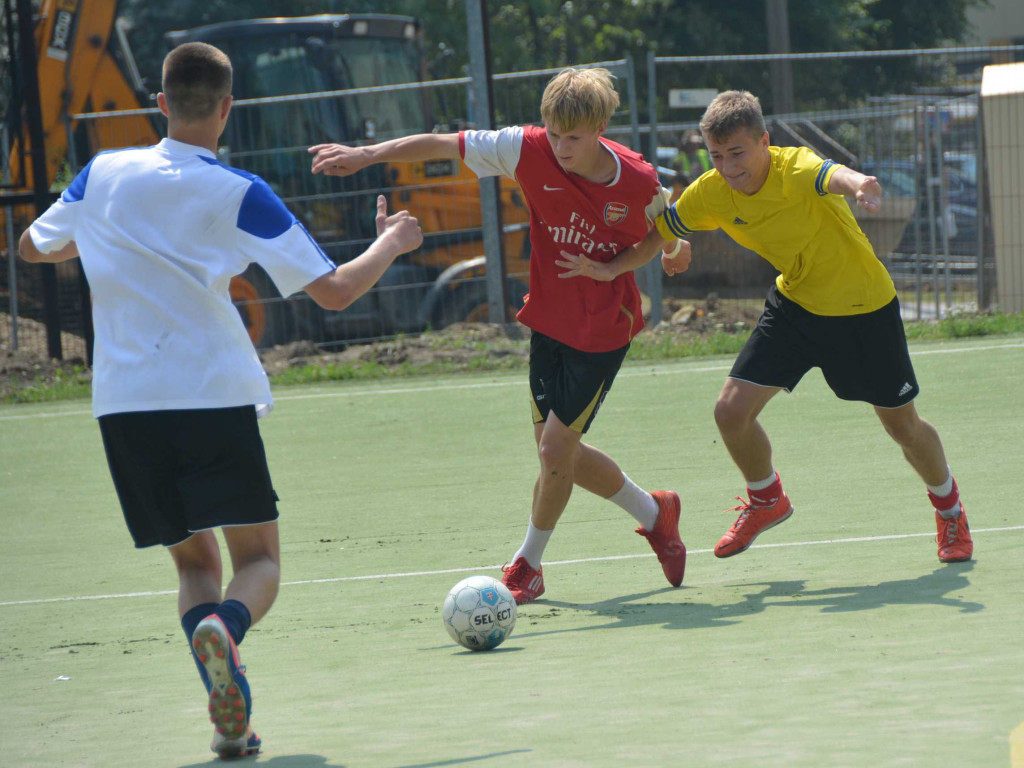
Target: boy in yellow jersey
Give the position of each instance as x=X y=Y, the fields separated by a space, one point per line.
x=833 y=306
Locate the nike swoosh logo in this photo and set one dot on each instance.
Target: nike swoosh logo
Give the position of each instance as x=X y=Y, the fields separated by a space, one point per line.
x=552 y=189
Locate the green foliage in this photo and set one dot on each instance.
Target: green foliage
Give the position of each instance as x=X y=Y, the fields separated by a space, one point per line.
x=508 y=355
x=554 y=33
x=63 y=384
x=967 y=324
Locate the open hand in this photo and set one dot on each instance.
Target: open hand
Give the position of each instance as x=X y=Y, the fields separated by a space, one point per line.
x=402 y=228
x=337 y=159
x=578 y=265
x=869 y=194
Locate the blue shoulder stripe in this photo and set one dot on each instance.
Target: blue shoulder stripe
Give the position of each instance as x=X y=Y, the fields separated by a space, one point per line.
x=76 y=190
x=819 y=181
x=261 y=213
x=675 y=224
x=326 y=258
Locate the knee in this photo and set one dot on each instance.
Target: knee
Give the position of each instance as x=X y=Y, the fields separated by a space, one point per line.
x=199 y=554
x=730 y=415
x=555 y=455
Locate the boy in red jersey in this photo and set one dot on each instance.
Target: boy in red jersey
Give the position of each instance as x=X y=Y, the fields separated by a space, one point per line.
x=585 y=193
x=833 y=306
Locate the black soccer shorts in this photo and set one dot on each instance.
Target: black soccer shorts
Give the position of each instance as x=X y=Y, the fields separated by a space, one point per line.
x=568 y=382
x=178 y=472
x=863 y=357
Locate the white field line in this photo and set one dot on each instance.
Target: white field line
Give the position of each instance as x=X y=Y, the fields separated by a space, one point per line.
x=415 y=574
x=633 y=371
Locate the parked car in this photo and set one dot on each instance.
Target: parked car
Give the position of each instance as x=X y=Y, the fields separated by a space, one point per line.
x=955 y=216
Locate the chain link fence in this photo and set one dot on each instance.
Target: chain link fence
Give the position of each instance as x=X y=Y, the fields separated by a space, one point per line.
x=912 y=118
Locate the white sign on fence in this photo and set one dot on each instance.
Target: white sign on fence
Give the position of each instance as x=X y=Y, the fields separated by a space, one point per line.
x=691 y=97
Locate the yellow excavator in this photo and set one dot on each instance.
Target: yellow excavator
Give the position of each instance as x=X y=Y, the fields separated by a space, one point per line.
x=85 y=66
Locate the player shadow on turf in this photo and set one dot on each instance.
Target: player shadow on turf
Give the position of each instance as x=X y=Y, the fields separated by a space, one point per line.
x=464 y=760
x=319 y=761
x=926 y=589
x=277 y=761
x=625 y=611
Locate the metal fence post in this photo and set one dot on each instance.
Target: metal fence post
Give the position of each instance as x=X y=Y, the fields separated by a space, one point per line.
x=12 y=249
x=981 y=185
x=483 y=111
x=652 y=109
x=634 y=117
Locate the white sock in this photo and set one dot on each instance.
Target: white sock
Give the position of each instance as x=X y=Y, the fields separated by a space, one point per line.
x=942 y=491
x=533 y=545
x=638 y=502
x=760 y=485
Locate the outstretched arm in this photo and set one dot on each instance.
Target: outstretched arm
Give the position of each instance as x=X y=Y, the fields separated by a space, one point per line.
x=342 y=160
x=864 y=189
x=396 y=234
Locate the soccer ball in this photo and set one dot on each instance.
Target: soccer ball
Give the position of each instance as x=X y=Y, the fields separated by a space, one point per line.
x=479 y=613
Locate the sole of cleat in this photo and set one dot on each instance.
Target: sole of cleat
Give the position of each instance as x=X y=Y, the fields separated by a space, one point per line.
x=227 y=708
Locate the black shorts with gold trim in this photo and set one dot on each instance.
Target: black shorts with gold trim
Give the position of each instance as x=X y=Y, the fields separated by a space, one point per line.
x=568 y=382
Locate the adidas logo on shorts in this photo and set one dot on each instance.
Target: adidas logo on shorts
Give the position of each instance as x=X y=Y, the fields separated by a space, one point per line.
x=906 y=388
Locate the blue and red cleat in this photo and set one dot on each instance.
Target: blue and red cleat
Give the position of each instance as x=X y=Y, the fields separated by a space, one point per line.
x=230 y=699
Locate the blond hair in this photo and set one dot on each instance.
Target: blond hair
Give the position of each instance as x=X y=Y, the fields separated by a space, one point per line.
x=579 y=98
x=731 y=111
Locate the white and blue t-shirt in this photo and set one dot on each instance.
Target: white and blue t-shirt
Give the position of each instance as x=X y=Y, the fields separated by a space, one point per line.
x=161 y=231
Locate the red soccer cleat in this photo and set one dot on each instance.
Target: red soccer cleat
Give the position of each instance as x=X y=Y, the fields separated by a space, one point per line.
x=525 y=583
x=751 y=523
x=664 y=537
x=954 y=538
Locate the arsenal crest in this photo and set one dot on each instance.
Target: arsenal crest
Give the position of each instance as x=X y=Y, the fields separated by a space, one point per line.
x=615 y=213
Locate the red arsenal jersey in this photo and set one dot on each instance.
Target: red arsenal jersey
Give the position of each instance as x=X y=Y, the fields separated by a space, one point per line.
x=569 y=213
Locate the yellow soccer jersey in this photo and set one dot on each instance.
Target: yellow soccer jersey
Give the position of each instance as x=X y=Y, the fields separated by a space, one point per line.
x=826 y=262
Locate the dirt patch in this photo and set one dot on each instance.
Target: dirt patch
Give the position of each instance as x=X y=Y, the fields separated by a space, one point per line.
x=457 y=344
x=460 y=345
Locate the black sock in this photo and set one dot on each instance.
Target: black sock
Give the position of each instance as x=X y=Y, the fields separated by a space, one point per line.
x=236 y=618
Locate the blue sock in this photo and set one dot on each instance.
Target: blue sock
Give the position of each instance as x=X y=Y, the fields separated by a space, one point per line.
x=189 y=622
x=236 y=618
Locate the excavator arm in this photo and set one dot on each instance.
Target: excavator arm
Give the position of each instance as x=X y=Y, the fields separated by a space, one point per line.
x=78 y=73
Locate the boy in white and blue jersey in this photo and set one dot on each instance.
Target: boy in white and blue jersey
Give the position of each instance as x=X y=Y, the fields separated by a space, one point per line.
x=177 y=384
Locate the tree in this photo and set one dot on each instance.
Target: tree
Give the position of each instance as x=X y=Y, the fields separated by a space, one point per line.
x=552 y=33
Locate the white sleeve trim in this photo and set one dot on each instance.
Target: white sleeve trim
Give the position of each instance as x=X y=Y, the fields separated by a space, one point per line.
x=493 y=153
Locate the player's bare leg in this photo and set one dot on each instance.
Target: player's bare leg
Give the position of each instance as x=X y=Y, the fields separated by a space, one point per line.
x=597 y=472
x=922 y=448
x=557 y=446
x=197 y=560
x=657 y=512
x=256 y=561
x=736 y=412
x=919 y=441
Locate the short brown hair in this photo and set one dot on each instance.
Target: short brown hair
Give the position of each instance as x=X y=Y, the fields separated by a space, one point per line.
x=731 y=111
x=196 y=78
x=579 y=97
